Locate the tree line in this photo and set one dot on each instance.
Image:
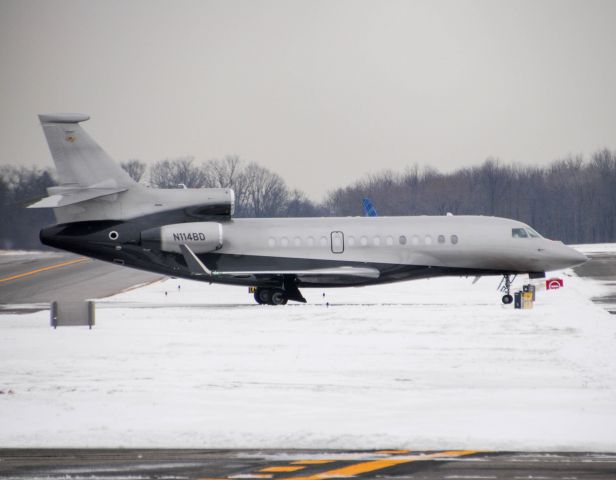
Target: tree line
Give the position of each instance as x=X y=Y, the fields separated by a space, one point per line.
x=572 y=199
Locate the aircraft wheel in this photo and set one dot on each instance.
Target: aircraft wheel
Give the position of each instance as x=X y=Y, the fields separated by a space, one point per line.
x=278 y=298
x=264 y=296
x=507 y=299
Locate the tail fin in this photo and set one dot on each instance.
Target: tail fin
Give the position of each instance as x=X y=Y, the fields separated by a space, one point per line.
x=369 y=210
x=79 y=160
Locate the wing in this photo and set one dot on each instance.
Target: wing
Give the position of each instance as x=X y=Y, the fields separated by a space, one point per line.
x=197 y=267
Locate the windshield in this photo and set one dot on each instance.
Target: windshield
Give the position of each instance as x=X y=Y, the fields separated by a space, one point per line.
x=532 y=233
x=519 y=233
x=524 y=233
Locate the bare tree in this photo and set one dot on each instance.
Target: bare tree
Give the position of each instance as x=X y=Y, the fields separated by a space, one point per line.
x=134 y=168
x=19 y=186
x=266 y=193
x=573 y=199
x=228 y=173
x=178 y=172
x=223 y=173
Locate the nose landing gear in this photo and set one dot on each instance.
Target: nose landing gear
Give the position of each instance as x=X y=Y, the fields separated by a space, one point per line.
x=505 y=287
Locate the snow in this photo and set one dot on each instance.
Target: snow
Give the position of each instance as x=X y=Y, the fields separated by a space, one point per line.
x=36 y=253
x=432 y=364
x=594 y=248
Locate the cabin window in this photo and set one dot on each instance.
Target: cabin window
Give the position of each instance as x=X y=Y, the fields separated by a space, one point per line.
x=428 y=240
x=310 y=241
x=519 y=233
x=350 y=241
x=402 y=240
x=297 y=242
x=271 y=242
x=415 y=240
x=323 y=241
x=284 y=242
x=376 y=241
x=454 y=239
x=364 y=241
x=389 y=240
x=441 y=239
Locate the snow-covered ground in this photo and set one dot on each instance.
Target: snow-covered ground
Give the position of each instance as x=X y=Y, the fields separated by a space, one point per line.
x=432 y=364
x=596 y=248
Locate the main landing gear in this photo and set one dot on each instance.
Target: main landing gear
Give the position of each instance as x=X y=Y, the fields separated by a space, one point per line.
x=279 y=295
x=271 y=296
x=505 y=287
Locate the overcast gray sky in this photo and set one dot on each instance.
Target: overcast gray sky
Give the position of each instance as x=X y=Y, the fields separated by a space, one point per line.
x=322 y=92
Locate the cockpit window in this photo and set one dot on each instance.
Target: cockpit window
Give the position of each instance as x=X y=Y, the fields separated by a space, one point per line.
x=519 y=233
x=533 y=233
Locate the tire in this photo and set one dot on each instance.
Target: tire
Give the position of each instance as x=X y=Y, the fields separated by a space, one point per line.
x=265 y=295
x=258 y=297
x=507 y=299
x=278 y=298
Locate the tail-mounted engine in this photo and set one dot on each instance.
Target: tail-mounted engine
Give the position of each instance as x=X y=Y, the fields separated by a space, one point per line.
x=201 y=237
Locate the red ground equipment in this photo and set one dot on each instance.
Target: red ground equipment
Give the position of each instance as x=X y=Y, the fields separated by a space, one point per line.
x=554 y=283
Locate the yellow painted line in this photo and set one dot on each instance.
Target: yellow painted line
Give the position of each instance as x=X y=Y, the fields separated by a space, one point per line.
x=312 y=462
x=281 y=468
x=43 y=269
x=356 y=469
x=453 y=453
x=251 y=475
x=393 y=452
x=373 y=465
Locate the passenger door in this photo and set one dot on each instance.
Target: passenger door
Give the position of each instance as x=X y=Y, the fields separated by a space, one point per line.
x=337 y=242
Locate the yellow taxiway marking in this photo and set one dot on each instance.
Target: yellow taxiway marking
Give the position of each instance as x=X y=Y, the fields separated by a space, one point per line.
x=251 y=475
x=312 y=462
x=373 y=465
x=393 y=452
x=451 y=453
x=43 y=269
x=281 y=468
x=356 y=469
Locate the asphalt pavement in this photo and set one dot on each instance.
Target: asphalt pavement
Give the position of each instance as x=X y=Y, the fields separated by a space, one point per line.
x=602 y=267
x=308 y=464
x=30 y=281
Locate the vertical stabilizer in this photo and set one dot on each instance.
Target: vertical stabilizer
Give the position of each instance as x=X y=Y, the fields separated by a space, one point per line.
x=79 y=160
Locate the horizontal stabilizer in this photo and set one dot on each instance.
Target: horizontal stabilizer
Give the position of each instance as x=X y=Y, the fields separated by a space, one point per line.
x=73 y=196
x=63 y=118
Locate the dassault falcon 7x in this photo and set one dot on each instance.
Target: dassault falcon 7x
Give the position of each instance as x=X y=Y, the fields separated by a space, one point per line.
x=191 y=233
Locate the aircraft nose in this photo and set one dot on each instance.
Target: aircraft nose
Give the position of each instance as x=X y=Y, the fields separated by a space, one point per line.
x=577 y=258
x=568 y=257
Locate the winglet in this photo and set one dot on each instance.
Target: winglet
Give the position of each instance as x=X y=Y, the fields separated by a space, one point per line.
x=195 y=265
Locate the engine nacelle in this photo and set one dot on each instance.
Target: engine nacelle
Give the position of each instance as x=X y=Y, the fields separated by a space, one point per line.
x=201 y=237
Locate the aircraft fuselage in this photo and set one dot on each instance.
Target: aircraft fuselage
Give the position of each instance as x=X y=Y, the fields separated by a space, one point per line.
x=398 y=248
